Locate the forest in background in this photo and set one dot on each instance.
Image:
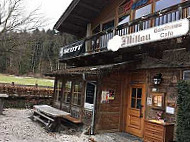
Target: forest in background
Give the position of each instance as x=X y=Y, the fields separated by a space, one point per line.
x=30 y=53
x=24 y=49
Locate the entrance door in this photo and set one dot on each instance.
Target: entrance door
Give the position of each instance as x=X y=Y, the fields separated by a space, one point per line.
x=135 y=110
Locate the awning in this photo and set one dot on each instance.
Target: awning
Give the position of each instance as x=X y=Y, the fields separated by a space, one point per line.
x=80 y=12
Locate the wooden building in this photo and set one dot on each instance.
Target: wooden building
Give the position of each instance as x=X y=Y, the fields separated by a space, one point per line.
x=125 y=69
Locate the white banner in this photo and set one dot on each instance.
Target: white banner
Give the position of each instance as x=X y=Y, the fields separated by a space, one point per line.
x=166 y=31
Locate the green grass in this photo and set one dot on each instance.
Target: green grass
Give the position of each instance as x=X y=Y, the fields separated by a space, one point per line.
x=25 y=80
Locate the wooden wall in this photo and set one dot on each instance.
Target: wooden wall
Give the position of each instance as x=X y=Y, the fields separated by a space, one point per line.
x=108 y=114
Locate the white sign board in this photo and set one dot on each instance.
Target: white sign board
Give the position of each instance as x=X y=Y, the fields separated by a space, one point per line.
x=166 y=31
x=170 y=110
x=149 y=101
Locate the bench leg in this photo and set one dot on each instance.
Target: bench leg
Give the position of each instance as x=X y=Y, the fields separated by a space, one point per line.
x=1 y=106
x=54 y=126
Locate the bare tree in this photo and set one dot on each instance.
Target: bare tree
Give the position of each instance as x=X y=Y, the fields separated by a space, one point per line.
x=14 y=17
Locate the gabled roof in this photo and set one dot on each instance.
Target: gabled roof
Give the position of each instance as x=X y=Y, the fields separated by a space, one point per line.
x=79 y=13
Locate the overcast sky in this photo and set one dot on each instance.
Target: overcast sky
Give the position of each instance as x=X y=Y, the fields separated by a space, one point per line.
x=51 y=9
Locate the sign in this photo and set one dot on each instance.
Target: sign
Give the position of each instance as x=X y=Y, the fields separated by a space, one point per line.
x=73 y=50
x=170 y=110
x=107 y=96
x=166 y=31
x=90 y=91
x=149 y=101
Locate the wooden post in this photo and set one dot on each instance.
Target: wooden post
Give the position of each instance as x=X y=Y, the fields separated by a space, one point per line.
x=62 y=93
x=88 y=34
x=54 y=91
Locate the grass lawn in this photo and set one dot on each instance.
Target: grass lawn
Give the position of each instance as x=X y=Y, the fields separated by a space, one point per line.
x=25 y=80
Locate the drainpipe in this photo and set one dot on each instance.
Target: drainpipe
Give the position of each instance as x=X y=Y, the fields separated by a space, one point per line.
x=93 y=113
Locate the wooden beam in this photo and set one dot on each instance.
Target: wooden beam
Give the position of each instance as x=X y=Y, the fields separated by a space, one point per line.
x=90 y=7
x=75 y=25
x=81 y=18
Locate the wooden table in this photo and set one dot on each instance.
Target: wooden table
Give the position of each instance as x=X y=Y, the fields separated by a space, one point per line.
x=2 y=97
x=49 y=116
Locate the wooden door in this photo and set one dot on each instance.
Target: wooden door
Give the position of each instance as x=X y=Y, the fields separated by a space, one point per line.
x=135 y=110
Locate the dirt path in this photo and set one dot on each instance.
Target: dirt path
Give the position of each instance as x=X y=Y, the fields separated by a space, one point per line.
x=15 y=126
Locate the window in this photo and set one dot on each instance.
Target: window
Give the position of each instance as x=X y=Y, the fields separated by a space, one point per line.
x=89 y=98
x=108 y=25
x=96 y=30
x=162 y=4
x=76 y=96
x=136 y=98
x=58 y=91
x=186 y=75
x=124 y=19
x=67 y=92
x=143 y=11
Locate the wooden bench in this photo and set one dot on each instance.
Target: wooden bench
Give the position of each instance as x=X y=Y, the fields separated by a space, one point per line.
x=51 y=117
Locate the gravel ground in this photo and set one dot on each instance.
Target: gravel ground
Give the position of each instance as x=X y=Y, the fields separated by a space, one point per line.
x=15 y=126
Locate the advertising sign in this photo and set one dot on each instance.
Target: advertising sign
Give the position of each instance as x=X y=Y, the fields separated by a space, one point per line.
x=166 y=31
x=73 y=50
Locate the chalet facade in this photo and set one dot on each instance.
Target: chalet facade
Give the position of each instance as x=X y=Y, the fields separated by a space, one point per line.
x=123 y=74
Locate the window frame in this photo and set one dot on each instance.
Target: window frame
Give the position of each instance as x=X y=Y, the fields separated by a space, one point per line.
x=107 y=21
x=151 y=10
x=163 y=8
x=77 y=94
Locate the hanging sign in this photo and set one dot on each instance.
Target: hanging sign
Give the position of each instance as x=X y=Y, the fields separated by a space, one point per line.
x=166 y=31
x=73 y=50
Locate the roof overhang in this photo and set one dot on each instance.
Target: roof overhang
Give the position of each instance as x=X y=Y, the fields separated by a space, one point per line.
x=80 y=12
x=91 y=70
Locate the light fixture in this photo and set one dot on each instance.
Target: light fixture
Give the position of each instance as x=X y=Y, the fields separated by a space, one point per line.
x=157 y=79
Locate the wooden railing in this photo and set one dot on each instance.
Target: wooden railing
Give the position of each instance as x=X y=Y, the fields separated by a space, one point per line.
x=98 y=43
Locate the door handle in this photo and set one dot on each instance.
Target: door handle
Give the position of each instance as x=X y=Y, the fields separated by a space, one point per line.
x=141 y=114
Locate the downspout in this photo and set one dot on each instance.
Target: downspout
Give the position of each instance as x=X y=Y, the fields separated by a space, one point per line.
x=93 y=114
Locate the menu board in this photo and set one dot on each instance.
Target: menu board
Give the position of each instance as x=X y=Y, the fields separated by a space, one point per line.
x=90 y=90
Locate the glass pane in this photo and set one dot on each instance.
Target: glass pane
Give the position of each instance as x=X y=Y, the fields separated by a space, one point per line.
x=68 y=99
x=96 y=30
x=165 y=3
x=68 y=86
x=133 y=102
x=108 y=25
x=138 y=103
x=124 y=19
x=79 y=99
x=143 y=11
x=134 y=92
x=139 y=93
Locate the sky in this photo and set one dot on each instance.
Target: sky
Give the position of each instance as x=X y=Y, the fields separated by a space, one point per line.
x=50 y=9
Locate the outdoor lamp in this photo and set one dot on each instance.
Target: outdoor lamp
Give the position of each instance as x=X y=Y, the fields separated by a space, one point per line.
x=157 y=79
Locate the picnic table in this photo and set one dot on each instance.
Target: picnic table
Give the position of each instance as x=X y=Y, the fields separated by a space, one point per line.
x=2 y=97
x=49 y=116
